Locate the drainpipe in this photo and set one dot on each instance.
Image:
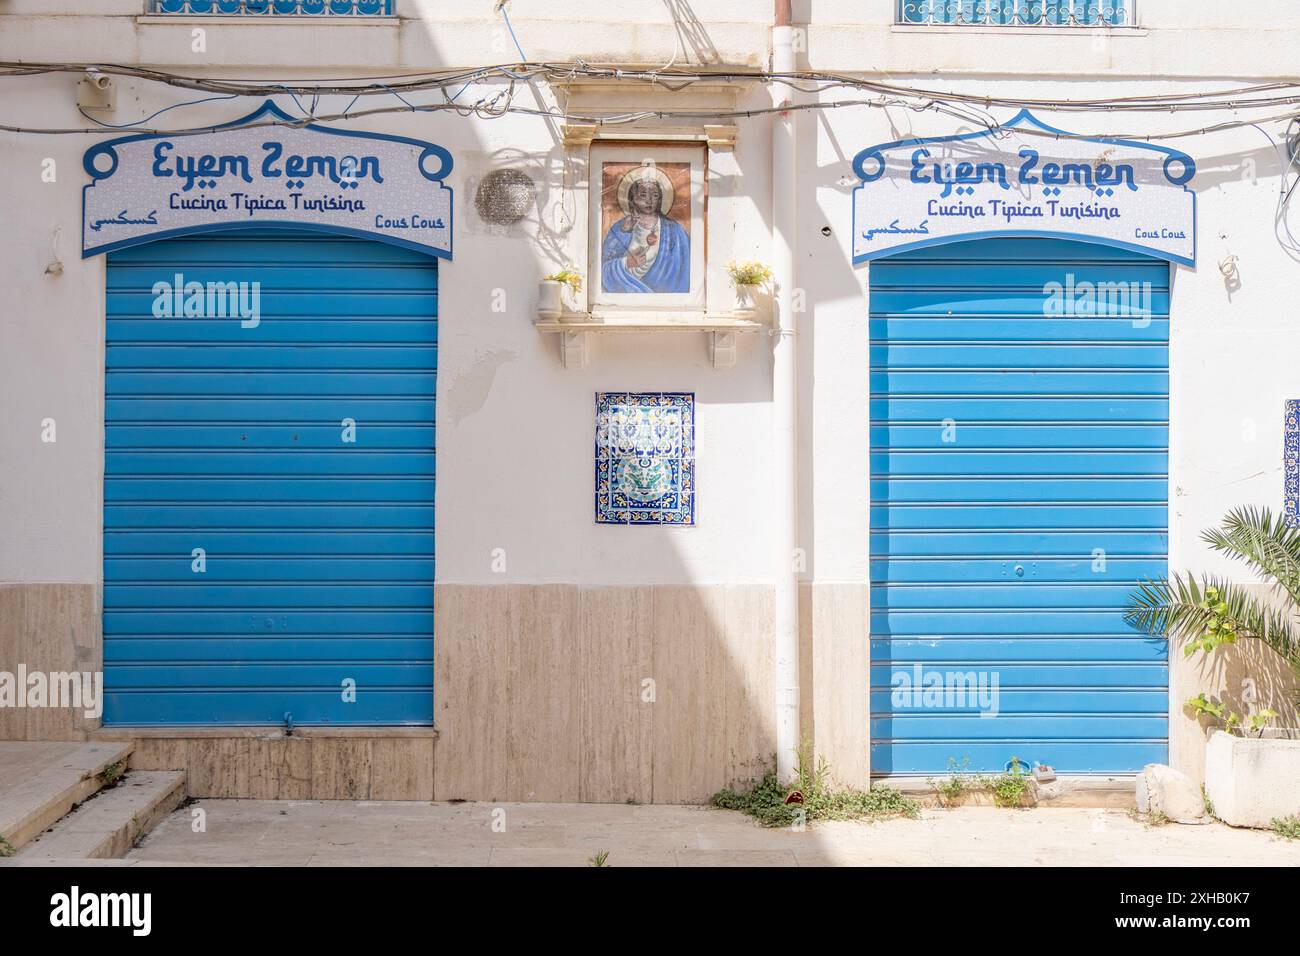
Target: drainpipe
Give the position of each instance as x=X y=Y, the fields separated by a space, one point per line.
x=784 y=399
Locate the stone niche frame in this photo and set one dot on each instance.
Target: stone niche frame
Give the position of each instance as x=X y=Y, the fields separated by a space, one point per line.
x=718 y=319
x=681 y=169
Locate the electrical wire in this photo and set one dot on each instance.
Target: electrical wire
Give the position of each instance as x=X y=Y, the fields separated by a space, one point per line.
x=174 y=106
x=1289 y=156
x=498 y=106
x=505 y=15
x=969 y=108
x=679 y=79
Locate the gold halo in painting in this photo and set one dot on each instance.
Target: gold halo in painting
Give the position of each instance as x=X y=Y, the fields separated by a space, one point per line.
x=646 y=171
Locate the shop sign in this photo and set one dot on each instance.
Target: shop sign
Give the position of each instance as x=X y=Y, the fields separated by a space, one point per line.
x=1024 y=178
x=152 y=186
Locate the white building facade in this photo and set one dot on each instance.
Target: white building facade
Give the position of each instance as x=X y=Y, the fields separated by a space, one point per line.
x=947 y=480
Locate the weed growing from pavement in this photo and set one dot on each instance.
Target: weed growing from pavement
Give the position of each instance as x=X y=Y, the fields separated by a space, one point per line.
x=1288 y=828
x=1009 y=788
x=1156 y=819
x=951 y=789
x=1209 y=804
x=6 y=848
x=600 y=859
x=813 y=798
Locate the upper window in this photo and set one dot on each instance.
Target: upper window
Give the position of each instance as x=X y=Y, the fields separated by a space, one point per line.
x=1018 y=13
x=261 y=8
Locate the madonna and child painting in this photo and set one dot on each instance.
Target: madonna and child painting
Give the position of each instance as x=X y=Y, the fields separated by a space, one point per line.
x=646 y=227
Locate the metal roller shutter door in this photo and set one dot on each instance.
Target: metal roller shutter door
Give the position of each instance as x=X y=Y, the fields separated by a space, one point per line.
x=1057 y=457
x=319 y=552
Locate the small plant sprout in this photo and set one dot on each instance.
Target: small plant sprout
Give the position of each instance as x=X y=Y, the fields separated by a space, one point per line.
x=812 y=798
x=1008 y=789
x=568 y=276
x=1288 y=828
x=1256 y=723
x=1200 y=704
x=1156 y=818
x=1233 y=722
x=952 y=788
x=600 y=859
x=748 y=272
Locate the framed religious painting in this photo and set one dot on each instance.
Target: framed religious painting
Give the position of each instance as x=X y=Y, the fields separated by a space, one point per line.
x=646 y=234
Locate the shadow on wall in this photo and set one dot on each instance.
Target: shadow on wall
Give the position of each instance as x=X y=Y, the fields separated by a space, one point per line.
x=657 y=693
x=692 y=36
x=565 y=692
x=613 y=694
x=1247 y=677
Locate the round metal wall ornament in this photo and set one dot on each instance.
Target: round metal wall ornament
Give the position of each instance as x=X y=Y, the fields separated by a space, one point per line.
x=504 y=196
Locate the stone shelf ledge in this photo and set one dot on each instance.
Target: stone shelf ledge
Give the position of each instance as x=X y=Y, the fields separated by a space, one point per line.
x=653 y=322
x=720 y=327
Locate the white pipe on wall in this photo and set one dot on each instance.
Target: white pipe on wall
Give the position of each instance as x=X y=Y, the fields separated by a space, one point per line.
x=784 y=397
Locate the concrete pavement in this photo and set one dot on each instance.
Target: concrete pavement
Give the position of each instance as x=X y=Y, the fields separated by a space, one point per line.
x=345 y=833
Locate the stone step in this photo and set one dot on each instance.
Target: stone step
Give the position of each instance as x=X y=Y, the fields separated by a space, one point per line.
x=110 y=823
x=41 y=781
x=1074 y=791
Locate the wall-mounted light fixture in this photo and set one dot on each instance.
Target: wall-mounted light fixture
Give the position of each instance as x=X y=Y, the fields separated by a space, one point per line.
x=504 y=196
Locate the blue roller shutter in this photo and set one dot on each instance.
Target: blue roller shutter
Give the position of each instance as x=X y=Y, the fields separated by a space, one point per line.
x=319 y=552
x=1018 y=491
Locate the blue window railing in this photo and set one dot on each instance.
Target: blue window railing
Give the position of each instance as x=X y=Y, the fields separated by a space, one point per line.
x=265 y=8
x=1018 y=13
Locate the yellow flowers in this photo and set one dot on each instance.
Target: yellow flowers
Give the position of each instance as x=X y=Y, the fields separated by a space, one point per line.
x=748 y=272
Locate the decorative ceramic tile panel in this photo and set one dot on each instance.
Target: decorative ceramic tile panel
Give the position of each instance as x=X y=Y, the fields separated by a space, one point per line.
x=645 y=458
x=1291 y=462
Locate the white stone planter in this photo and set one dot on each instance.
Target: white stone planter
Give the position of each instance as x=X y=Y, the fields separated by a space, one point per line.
x=1252 y=781
x=745 y=301
x=550 y=302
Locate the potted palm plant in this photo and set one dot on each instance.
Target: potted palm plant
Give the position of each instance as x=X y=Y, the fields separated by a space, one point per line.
x=1252 y=776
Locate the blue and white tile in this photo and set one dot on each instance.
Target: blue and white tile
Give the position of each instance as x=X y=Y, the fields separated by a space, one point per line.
x=1291 y=463
x=645 y=458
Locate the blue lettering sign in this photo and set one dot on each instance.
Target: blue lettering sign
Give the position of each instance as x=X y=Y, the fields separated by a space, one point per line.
x=194 y=169
x=151 y=185
x=963 y=173
x=347 y=171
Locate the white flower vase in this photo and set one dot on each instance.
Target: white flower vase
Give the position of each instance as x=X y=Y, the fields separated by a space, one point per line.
x=571 y=306
x=745 y=302
x=550 y=303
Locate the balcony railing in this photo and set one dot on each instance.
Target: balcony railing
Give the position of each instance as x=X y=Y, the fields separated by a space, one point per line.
x=1018 y=13
x=272 y=8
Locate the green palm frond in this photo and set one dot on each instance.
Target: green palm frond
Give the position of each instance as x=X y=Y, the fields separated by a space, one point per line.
x=1183 y=608
x=1269 y=547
